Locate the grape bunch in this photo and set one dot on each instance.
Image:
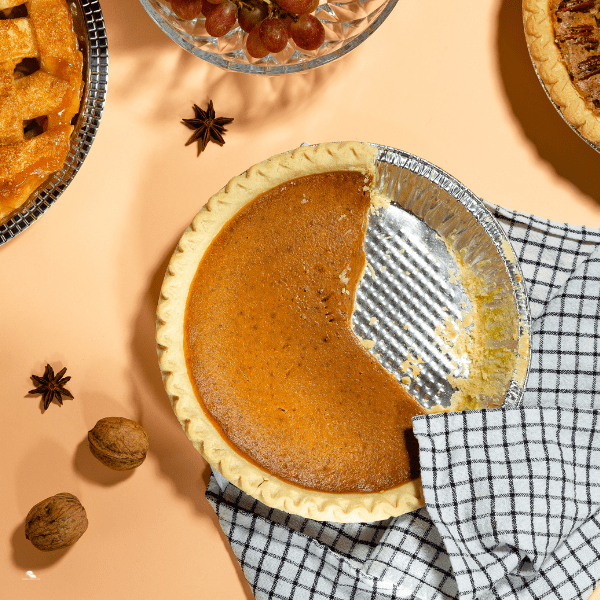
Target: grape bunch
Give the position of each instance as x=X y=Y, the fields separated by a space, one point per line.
x=269 y=25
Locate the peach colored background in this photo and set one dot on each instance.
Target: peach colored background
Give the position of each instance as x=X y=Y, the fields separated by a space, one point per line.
x=452 y=84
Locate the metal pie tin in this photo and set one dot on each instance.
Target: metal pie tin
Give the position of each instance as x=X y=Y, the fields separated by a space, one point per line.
x=418 y=249
x=88 y=23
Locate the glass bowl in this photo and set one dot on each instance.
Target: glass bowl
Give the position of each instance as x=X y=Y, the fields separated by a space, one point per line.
x=347 y=23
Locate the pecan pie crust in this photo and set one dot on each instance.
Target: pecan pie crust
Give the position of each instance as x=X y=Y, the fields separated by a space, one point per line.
x=564 y=42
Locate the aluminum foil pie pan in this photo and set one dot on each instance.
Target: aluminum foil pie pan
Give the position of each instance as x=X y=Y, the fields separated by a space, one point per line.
x=440 y=269
x=88 y=23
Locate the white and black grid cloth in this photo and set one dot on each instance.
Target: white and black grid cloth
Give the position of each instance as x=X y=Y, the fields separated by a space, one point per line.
x=512 y=495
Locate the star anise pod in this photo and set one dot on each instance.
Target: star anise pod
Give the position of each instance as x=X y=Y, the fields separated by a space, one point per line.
x=51 y=386
x=207 y=127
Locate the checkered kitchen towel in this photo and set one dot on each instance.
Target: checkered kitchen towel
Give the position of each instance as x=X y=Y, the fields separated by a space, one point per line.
x=512 y=495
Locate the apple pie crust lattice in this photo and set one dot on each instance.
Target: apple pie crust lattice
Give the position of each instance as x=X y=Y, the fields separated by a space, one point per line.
x=40 y=90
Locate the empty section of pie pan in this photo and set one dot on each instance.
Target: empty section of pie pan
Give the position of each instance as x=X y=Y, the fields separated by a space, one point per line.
x=88 y=23
x=442 y=303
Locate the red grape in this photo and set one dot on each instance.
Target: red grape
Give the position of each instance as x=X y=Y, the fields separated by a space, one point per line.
x=254 y=45
x=288 y=20
x=207 y=7
x=308 y=32
x=186 y=9
x=221 y=19
x=273 y=34
x=298 y=7
x=251 y=15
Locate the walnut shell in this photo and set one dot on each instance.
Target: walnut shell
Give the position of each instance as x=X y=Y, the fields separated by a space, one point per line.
x=56 y=522
x=119 y=443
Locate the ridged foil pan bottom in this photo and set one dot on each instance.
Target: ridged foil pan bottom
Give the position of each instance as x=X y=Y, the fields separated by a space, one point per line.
x=442 y=303
x=88 y=23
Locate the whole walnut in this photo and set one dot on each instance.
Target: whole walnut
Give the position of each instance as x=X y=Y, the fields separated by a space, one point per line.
x=119 y=443
x=56 y=522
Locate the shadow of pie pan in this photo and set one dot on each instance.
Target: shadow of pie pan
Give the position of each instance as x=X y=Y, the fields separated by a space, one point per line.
x=318 y=302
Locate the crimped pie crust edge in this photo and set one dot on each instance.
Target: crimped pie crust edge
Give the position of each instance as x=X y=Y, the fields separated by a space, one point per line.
x=539 y=34
x=250 y=478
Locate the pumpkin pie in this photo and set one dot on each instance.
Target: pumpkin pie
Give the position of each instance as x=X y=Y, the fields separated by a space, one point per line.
x=564 y=43
x=257 y=352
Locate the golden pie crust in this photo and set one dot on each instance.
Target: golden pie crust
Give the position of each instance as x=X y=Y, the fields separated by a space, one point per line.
x=40 y=90
x=206 y=437
x=549 y=63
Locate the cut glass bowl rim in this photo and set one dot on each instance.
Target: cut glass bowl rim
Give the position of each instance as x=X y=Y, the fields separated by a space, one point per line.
x=261 y=69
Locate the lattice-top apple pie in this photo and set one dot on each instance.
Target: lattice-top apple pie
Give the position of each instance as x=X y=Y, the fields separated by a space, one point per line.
x=40 y=91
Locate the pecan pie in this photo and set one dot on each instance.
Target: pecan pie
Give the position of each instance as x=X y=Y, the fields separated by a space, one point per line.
x=256 y=349
x=564 y=41
x=40 y=91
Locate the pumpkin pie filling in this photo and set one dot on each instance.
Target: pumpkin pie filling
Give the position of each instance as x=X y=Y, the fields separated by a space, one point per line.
x=270 y=350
